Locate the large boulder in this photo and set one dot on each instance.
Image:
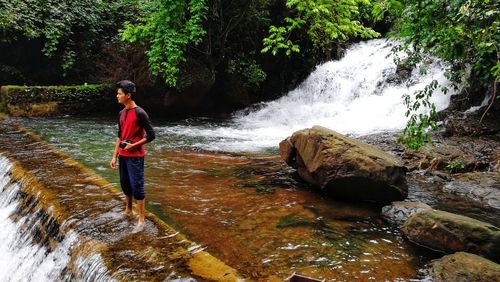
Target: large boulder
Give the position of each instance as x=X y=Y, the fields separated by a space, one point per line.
x=345 y=167
x=465 y=267
x=448 y=232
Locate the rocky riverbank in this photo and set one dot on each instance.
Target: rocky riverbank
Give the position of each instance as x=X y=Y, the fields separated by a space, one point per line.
x=459 y=174
x=453 y=191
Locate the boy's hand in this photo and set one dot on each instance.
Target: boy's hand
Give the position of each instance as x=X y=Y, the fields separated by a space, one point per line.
x=112 y=163
x=129 y=147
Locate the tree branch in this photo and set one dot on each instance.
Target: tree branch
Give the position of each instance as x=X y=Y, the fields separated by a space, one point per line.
x=493 y=96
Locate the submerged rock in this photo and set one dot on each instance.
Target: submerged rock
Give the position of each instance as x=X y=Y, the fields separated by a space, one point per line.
x=398 y=212
x=448 y=232
x=345 y=167
x=465 y=267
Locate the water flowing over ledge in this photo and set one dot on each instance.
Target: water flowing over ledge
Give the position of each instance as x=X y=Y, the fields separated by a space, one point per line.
x=357 y=95
x=62 y=221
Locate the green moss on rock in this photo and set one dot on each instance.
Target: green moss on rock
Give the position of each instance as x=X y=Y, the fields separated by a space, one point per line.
x=294 y=220
x=465 y=267
x=450 y=233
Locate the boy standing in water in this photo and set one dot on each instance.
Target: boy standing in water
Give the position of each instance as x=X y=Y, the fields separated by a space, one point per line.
x=134 y=130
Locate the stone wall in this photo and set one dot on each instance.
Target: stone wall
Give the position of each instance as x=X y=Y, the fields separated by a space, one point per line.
x=57 y=100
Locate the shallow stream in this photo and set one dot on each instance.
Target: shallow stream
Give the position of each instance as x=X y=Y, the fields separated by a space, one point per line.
x=248 y=209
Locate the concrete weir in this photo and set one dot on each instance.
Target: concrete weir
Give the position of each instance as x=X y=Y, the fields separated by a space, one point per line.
x=67 y=197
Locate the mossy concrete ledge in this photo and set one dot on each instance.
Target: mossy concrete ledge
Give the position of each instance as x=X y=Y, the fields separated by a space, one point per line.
x=73 y=198
x=56 y=100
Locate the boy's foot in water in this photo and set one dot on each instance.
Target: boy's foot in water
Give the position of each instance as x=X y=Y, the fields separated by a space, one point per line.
x=138 y=227
x=129 y=212
x=140 y=221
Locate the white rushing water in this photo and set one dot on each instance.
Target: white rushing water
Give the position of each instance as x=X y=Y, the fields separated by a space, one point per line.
x=22 y=259
x=351 y=96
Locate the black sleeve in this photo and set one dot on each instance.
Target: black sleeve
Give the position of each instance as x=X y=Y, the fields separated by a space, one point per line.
x=144 y=122
x=119 y=124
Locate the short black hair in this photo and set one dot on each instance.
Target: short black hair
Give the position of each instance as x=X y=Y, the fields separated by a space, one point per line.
x=127 y=86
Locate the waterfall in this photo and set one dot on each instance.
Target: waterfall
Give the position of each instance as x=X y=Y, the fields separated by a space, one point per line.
x=27 y=254
x=354 y=95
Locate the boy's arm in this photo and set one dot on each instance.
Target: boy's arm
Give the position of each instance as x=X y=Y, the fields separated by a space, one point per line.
x=145 y=123
x=112 y=163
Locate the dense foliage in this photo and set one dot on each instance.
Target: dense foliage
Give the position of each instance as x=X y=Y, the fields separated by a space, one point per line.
x=243 y=47
x=170 y=28
x=175 y=31
x=223 y=34
x=70 y=32
x=463 y=33
x=327 y=22
x=167 y=26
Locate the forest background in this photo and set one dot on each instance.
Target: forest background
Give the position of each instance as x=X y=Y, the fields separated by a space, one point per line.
x=215 y=56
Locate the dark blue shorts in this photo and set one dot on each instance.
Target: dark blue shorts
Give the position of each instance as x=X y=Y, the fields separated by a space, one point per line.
x=132 y=176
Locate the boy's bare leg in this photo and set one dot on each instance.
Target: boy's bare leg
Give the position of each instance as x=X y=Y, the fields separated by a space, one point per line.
x=140 y=207
x=128 y=205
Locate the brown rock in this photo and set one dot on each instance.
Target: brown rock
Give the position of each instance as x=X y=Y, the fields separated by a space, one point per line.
x=465 y=267
x=344 y=167
x=448 y=232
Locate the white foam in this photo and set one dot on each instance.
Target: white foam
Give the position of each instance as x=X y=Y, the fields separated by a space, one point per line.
x=351 y=96
x=22 y=259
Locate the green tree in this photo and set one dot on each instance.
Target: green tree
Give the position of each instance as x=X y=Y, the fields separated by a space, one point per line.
x=224 y=32
x=326 y=22
x=70 y=31
x=463 y=33
x=168 y=27
x=215 y=32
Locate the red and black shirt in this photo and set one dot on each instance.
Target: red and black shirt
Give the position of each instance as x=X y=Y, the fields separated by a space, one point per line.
x=134 y=124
